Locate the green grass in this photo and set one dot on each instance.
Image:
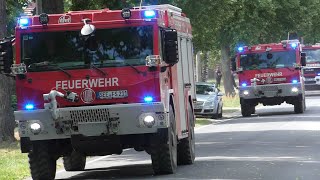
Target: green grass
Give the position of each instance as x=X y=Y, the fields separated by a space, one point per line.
x=231 y=102
x=13 y=164
x=202 y=122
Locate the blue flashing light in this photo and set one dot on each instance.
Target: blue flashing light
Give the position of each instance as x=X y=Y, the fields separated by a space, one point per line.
x=244 y=84
x=294 y=45
x=294 y=81
x=148 y=99
x=240 y=49
x=149 y=14
x=318 y=74
x=29 y=106
x=23 y=22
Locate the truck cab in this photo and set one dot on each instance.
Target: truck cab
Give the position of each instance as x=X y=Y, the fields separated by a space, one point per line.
x=311 y=72
x=271 y=74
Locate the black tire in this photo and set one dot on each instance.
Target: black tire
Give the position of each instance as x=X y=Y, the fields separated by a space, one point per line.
x=75 y=162
x=220 y=114
x=42 y=163
x=246 y=110
x=186 y=147
x=253 y=110
x=164 y=156
x=299 y=106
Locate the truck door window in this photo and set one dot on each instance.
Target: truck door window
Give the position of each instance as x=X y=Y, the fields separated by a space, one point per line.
x=130 y=45
x=313 y=55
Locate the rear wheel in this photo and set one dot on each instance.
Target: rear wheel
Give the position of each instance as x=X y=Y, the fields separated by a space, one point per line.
x=220 y=112
x=164 y=156
x=186 y=147
x=42 y=162
x=75 y=162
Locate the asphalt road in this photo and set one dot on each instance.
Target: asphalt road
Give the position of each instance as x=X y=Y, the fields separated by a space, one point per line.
x=273 y=144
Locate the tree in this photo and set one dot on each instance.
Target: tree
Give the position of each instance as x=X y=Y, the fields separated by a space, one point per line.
x=7 y=122
x=50 y=6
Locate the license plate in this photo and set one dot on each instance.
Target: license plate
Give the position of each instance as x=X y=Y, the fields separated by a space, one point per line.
x=112 y=94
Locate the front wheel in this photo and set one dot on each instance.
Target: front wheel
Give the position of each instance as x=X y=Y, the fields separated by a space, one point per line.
x=164 y=155
x=75 y=162
x=42 y=162
x=299 y=106
x=246 y=110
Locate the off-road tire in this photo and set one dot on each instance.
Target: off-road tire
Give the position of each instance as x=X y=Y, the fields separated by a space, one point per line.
x=246 y=110
x=299 y=106
x=164 y=156
x=42 y=163
x=75 y=162
x=186 y=147
x=253 y=110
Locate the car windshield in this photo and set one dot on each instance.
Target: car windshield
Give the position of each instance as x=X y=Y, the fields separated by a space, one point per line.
x=313 y=56
x=68 y=50
x=268 y=60
x=204 y=89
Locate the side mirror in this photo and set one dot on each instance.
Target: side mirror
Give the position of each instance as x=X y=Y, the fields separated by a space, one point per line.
x=170 y=46
x=87 y=29
x=220 y=94
x=6 y=56
x=303 y=61
x=233 y=65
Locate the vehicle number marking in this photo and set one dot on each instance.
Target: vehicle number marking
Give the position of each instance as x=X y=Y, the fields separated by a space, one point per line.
x=112 y=94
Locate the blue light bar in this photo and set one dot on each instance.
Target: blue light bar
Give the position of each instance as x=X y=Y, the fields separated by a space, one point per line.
x=244 y=84
x=148 y=99
x=294 y=81
x=29 y=106
x=240 y=49
x=23 y=21
x=318 y=74
x=149 y=14
x=294 y=45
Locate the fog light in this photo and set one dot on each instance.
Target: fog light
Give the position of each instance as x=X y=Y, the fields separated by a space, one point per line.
x=246 y=93
x=294 y=89
x=149 y=121
x=35 y=128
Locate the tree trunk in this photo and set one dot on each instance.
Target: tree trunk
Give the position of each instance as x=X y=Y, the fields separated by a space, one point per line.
x=50 y=6
x=3 y=19
x=7 y=121
x=226 y=72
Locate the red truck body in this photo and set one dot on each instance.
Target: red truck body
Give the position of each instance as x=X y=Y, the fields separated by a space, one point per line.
x=311 y=72
x=270 y=74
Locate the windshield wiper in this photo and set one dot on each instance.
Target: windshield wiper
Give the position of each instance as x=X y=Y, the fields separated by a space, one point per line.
x=136 y=69
x=48 y=64
x=100 y=70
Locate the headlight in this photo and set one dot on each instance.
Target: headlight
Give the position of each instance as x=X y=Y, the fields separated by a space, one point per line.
x=246 y=92
x=149 y=121
x=35 y=128
x=294 y=89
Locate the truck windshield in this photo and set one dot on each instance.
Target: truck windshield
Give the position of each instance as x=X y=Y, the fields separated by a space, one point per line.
x=68 y=50
x=313 y=55
x=268 y=60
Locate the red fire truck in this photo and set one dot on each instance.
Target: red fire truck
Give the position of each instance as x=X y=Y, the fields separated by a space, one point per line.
x=311 y=72
x=99 y=81
x=270 y=74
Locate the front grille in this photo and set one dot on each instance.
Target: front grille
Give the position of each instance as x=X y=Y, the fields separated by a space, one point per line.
x=269 y=88
x=89 y=115
x=208 y=110
x=197 y=110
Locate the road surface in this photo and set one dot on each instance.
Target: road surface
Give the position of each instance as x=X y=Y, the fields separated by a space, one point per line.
x=273 y=144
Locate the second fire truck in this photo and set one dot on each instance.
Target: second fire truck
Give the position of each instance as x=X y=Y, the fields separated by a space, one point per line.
x=271 y=74
x=311 y=71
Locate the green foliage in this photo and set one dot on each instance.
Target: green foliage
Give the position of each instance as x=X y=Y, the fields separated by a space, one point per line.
x=14 y=10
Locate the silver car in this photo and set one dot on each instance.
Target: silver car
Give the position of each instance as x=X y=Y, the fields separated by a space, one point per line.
x=209 y=100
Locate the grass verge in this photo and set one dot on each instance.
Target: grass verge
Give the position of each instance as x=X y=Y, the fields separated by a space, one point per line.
x=231 y=102
x=13 y=164
x=202 y=122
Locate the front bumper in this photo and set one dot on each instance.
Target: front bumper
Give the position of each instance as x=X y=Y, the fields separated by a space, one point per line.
x=119 y=119
x=271 y=90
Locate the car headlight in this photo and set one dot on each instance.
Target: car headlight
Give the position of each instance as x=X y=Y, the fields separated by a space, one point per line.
x=35 y=127
x=246 y=92
x=149 y=121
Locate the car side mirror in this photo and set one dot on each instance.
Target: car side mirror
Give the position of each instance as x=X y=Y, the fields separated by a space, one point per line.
x=170 y=46
x=303 y=60
x=6 y=56
x=220 y=94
